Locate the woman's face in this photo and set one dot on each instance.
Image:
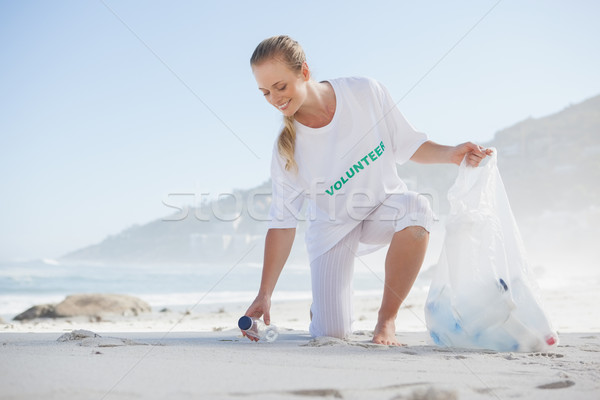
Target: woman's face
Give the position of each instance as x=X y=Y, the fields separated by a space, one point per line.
x=284 y=88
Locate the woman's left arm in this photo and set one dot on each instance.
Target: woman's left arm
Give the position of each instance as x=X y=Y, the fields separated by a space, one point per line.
x=432 y=153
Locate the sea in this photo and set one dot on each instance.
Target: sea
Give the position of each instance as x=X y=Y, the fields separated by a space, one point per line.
x=211 y=287
x=176 y=287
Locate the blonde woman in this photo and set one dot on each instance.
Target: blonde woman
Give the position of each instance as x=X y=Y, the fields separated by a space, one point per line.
x=338 y=149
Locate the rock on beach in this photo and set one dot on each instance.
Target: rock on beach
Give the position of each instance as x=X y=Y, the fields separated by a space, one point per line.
x=88 y=305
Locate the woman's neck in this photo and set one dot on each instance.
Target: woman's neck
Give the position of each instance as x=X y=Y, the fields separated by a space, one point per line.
x=319 y=107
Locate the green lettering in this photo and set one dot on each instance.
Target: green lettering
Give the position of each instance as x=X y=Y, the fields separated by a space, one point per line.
x=355 y=169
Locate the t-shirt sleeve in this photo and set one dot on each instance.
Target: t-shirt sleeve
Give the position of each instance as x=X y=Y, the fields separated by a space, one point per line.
x=405 y=139
x=288 y=199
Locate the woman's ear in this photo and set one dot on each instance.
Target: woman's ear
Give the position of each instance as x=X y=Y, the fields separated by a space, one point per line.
x=305 y=71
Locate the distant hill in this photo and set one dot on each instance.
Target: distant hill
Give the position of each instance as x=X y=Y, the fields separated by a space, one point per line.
x=550 y=167
x=217 y=231
x=550 y=163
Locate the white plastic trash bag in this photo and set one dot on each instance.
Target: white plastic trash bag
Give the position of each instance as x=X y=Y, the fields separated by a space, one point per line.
x=482 y=294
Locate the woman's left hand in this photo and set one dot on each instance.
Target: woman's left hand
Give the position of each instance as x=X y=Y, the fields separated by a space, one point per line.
x=473 y=152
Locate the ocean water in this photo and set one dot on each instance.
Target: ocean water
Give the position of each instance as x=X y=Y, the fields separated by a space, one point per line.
x=179 y=287
x=209 y=286
x=24 y=284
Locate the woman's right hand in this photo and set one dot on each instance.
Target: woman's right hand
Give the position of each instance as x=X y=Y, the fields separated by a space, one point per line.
x=261 y=306
x=278 y=244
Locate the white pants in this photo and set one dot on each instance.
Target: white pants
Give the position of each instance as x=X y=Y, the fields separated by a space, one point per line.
x=331 y=273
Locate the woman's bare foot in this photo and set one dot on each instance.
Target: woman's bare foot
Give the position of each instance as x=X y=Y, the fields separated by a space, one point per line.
x=385 y=333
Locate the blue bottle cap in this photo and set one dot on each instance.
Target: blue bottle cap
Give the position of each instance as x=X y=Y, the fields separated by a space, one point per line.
x=245 y=323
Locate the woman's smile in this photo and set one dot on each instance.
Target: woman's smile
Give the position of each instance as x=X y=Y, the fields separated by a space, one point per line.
x=285 y=105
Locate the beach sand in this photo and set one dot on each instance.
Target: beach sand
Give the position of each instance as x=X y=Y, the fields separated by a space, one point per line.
x=201 y=355
x=221 y=365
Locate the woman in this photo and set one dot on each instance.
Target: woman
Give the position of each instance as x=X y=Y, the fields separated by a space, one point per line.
x=338 y=150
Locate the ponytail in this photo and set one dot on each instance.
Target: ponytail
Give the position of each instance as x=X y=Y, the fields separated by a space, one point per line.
x=286 y=143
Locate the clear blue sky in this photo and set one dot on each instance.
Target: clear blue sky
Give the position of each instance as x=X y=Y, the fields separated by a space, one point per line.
x=96 y=131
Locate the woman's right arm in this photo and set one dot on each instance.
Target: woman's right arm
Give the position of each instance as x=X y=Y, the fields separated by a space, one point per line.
x=278 y=245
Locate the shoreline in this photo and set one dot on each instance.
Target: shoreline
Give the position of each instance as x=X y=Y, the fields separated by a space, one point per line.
x=569 y=311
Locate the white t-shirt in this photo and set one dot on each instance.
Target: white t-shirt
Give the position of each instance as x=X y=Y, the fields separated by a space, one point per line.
x=346 y=168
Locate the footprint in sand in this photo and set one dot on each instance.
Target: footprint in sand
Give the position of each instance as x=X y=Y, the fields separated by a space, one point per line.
x=590 y=347
x=325 y=341
x=331 y=341
x=547 y=355
x=318 y=393
x=90 y=339
x=557 y=385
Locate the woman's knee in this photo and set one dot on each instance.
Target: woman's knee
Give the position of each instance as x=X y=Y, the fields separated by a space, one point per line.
x=416 y=232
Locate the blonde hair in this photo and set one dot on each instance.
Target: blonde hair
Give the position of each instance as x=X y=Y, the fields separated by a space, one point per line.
x=290 y=52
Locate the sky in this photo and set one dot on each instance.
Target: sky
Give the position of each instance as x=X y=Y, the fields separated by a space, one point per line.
x=109 y=108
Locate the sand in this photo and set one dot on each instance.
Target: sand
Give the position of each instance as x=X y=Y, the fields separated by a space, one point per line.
x=223 y=365
x=200 y=355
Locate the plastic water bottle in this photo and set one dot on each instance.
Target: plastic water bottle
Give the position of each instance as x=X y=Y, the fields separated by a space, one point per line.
x=256 y=328
x=530 y=314
x=443 y=327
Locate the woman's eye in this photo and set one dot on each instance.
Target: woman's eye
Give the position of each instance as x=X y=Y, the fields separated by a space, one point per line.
x=283 y=87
